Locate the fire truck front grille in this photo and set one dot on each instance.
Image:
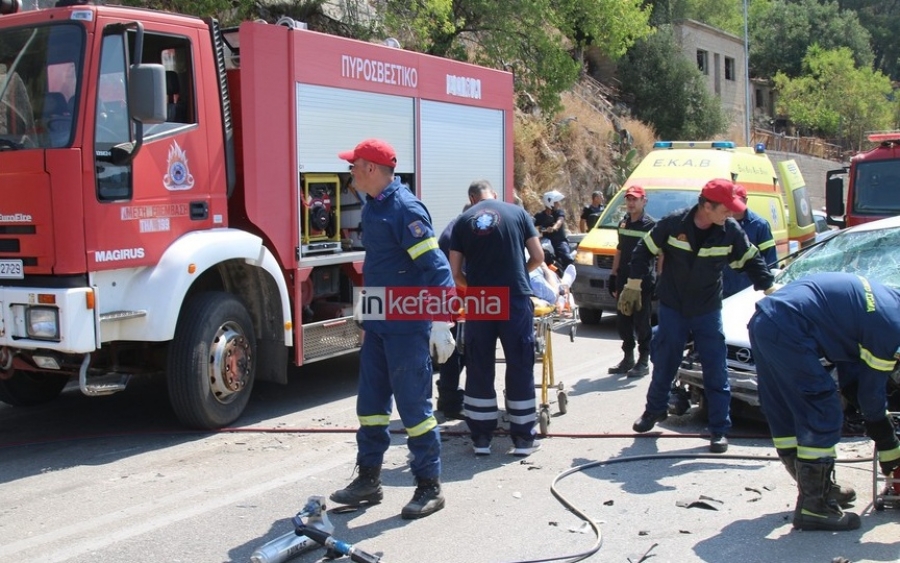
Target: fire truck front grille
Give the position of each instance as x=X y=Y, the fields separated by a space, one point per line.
x=329 y=338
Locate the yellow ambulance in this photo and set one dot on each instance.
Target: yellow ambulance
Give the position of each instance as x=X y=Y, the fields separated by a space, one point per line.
x=672 y=176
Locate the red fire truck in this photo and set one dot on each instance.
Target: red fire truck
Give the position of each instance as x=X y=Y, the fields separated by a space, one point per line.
x=172 y=200
x=873 y=186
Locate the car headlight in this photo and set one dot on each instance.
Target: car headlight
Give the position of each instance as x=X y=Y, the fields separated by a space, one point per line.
x=42 y=323
x=584 y=257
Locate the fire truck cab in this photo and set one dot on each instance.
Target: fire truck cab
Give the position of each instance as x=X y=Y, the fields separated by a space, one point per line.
x=873 y=184
x=172 y=200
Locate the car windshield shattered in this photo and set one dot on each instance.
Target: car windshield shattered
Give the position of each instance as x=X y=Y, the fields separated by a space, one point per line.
x=872 y=254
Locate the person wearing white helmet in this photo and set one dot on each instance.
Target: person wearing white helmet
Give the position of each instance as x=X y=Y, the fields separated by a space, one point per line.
x=551 y=222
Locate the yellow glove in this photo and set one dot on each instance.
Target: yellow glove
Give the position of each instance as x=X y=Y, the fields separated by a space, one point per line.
x=630 y=298
x=775 y=287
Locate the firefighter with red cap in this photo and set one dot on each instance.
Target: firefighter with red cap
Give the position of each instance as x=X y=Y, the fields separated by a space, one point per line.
x=759 y=233
x=855 y=323
x=696 y=244
x=395 y=359
x=632 y=228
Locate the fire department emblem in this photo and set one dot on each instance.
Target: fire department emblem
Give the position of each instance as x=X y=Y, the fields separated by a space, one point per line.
x=417 y=229
x=179 y=176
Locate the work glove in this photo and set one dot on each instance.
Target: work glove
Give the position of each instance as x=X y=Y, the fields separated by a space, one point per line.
x=441 y=342
x=611 y=285
x=775 y=287
x=630 y=298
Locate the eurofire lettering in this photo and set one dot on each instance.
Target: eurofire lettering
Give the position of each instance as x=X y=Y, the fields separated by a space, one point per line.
x=359 y=68
x=15 y=218
x=463 y=87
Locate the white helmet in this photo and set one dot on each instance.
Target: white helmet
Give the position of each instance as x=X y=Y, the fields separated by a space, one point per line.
x=551 y=197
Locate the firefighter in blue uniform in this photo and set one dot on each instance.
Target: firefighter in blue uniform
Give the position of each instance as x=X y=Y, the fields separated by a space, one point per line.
x=491 y=237
x=855 y=323
x=395 y=359
x=696 y=244
x=759 y=233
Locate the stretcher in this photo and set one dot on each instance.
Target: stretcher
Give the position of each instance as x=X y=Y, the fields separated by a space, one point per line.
x=547 y=320
x=885 y=488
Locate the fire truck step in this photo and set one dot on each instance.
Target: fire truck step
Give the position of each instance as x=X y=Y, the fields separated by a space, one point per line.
x=104 y=384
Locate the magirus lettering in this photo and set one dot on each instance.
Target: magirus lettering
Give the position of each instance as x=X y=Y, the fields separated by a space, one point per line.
x=118 y=254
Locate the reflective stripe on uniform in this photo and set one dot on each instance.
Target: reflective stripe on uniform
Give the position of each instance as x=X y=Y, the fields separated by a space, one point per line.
x=423 y=427
x=375 y=420
x=766 y=245
x=889 y=455
x=806 y=452
x=751 y=252
x=520 y=405
x=477 y=415
x=875 y=362
x=785 y=442
x=632 y=233
x=680 y=244
x=714 y=251
x=651 y=246
x=421 y=248
x=521 y=419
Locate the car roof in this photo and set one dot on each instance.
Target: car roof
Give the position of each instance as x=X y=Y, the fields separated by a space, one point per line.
x=888 y=223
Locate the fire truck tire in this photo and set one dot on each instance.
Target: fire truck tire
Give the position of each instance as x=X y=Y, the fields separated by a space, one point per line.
x=211 y=361
x=26 y=389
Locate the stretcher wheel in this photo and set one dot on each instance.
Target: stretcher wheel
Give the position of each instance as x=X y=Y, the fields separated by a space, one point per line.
x=572 y=333
x=562 y=401
x=879 y=504
x=544 y=421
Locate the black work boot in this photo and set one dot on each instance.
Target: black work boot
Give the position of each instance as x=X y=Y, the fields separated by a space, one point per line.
x=814 y=511
x=426 y=500
x=844 y=496
x=622 y=367
x=366 y=488
x=641 y=368
x=648 y=420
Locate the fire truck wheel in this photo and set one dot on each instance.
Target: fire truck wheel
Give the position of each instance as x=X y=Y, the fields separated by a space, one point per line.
x=211 y=361
x=26 y=389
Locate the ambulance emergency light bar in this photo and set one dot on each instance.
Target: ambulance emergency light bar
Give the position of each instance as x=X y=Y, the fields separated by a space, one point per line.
x=693 y=145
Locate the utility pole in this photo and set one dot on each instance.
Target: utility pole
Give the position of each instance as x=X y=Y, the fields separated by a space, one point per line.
x=749 y=110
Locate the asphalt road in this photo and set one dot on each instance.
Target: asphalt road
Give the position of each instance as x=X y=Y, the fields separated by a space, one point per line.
x=114 y=479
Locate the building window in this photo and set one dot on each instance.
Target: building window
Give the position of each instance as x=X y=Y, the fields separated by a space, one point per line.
x=703 y=61
x=729 y=69
x=759 y=99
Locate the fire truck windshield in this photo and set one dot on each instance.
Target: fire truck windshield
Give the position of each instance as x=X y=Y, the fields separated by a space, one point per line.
x=40 y=69
x=876 y=188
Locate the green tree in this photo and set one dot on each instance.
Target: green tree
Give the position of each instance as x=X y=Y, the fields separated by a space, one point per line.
x=541 y=41
x=667 y=90
x=834 y=98
x=882 y=19
x=783 y=30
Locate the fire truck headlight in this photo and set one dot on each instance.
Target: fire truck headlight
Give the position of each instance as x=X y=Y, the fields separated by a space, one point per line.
x=42 y=323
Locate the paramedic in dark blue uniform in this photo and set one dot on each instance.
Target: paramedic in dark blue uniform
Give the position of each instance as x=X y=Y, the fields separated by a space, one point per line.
x=491 y=237
x=632 y=228
x=696 y=244
x=759 y=233
x=855 y=323
x=395 y=359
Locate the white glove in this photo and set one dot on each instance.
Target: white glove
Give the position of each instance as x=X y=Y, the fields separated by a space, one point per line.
x=441 y=342
x=357 y=311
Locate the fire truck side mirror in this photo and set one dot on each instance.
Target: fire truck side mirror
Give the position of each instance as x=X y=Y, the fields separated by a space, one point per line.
x=147 y=93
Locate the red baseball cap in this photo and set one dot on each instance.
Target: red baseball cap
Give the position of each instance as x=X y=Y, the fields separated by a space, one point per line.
x=740 y=191
x=635 y=191
x=723 y=191
x=373 y=150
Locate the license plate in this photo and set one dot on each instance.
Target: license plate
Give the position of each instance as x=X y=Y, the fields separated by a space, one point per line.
x=11 y=270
